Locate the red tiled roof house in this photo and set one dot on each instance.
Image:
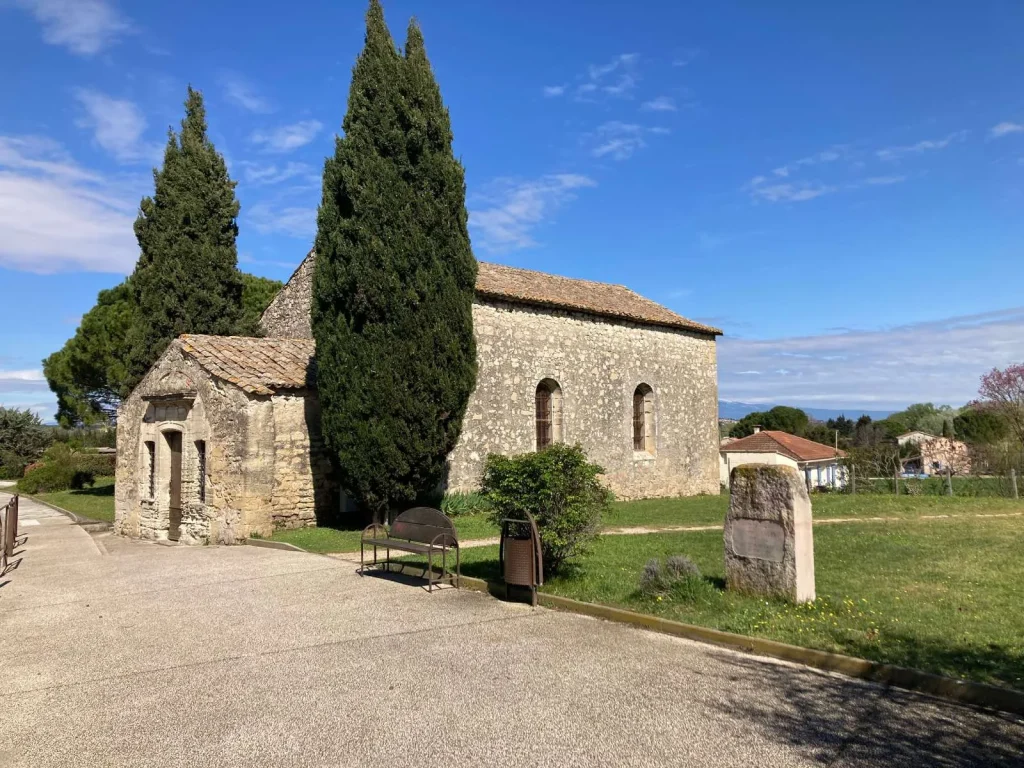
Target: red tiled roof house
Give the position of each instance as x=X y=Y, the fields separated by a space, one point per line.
x=819 y=464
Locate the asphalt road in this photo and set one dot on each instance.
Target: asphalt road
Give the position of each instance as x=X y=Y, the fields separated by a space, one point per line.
x=125 y=653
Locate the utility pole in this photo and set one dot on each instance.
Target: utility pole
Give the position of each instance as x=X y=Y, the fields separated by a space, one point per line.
x=1013 y=482
x=949 y=481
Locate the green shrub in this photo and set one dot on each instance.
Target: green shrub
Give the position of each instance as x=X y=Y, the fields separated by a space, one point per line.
x=653 y=579
x=12 y=465
x=464 y=504
x=62 y=468
x=559 y=487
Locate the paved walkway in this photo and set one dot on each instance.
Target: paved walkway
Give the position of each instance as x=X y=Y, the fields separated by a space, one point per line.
x=126 y=653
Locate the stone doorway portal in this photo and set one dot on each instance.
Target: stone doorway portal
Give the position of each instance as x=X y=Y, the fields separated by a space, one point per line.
x=174 y=485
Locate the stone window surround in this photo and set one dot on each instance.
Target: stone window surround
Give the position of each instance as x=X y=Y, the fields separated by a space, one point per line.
x=650 y=450
x=556 y=413
x=560 y=431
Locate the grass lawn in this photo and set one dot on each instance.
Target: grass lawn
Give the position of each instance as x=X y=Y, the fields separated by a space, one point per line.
x=694 y=510
x=96 y=502
x=941 y=595
x=710 y=510
x=347 y=540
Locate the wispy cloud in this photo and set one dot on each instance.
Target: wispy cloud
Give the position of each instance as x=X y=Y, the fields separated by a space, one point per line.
x=619 y=140
x=56 y=216
x=926 y=145
x=84 y=27
x=685 y=57
x=288 y=138
x=937 y=361
x=660 y=104
x=1005 y=129
x=117 y=126
x=243 y=93
x=884 y=180
x=22 y=380
x=616 y=78
x=794 y=192
x=293 y=221
x=502 y=218
x=262 y=175
x=554 y=90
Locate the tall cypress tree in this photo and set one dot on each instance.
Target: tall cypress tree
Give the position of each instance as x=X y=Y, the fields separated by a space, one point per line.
x=187 y=278
x=393 y=286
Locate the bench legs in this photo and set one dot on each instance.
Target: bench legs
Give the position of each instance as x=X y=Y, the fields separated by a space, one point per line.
x=452 y=579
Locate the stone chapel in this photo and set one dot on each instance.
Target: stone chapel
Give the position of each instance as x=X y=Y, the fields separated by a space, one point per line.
x=221 y=439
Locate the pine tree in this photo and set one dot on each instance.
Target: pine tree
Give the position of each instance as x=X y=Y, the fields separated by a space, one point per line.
x=187 y=278
x=393 y=286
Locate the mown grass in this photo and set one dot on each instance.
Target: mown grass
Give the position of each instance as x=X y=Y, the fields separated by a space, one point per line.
x=96 y=502
x=691 y=511
x=938 y=595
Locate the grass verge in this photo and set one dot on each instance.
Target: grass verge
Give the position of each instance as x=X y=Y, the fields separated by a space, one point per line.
x=941 y=596
x=96 y=502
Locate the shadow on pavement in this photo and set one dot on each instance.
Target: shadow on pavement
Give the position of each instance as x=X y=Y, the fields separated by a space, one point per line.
x=838 y=722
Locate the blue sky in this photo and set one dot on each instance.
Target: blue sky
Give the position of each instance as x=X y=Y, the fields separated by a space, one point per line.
x=841 y=189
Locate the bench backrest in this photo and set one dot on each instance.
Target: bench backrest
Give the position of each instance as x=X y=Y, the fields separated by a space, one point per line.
x=423 y=524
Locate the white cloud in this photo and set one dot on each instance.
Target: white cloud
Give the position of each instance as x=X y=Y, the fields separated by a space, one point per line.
x=796 y=192
x=503 y=217
x=56 y=216
x=616 y=78
x=288 y=138
x=660 y=104
x=618 y=140
x=554 y=90
x=242 y=93
x=117 y=126
x=22 y=381
x=685 y=56
x=939 y=361
x=1005 y=129
x=84 y=27
x=927 y=145
x=260 y=175
x=293 y=221
x=884 y=180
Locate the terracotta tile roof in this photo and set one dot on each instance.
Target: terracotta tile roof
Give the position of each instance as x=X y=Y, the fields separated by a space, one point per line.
x=289 y=311
x=773 y=441
x=259 y=366
x=525 y=285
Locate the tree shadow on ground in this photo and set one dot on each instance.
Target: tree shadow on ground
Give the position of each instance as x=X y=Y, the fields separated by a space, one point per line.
x=97 y=491
x=837 y=721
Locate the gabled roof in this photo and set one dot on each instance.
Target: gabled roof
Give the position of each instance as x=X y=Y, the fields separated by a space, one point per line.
x=529 y=287
x=258 y=366
x=511 y=284
x=773 y=441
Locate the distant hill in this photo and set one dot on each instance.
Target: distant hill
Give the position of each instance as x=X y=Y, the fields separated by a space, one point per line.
x=730 y=409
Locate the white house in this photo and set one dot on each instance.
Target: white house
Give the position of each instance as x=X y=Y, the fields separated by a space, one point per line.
x=818 y=463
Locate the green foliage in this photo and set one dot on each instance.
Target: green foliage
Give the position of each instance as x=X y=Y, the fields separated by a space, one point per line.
x=781 y=417
x=394 y=281
x=925 y=417
x=464 y=504
x=88 y=374
x=63 y=468
x=980 y=425
x=23 y=438
x=679 y=577
x=187 y=278
x=257 y=293
x=559 y=487
x=844 y=426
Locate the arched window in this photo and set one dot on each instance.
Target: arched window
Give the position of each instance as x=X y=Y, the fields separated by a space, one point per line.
x=643 y=419
x=548 y=403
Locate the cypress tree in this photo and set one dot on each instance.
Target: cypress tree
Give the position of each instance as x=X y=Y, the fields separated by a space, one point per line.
x=393 y=286
x=187 y=278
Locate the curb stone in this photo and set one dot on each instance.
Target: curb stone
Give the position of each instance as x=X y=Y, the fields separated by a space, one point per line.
x=87 y=523
x=963 y=692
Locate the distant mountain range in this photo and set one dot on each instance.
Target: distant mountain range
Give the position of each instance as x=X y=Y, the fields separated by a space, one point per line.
x=730 y=409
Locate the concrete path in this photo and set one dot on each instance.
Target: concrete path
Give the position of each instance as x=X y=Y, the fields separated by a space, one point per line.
x=120 y=653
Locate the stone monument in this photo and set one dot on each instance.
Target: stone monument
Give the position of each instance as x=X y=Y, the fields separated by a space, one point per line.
x=769 y=544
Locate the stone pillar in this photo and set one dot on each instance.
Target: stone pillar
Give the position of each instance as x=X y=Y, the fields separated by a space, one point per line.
x=769 y=545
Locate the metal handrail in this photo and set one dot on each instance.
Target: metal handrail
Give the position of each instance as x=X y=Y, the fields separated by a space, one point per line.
x=8 y=530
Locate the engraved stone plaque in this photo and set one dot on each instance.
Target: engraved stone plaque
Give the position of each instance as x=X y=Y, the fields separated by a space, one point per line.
x=761 y=539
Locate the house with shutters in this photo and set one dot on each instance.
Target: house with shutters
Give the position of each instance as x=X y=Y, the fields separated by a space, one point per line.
x=819 y=464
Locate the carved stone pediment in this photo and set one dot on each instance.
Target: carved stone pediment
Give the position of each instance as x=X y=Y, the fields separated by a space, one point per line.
x=172 y=385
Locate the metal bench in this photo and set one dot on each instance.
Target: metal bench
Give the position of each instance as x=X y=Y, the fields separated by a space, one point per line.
x=421 y=531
